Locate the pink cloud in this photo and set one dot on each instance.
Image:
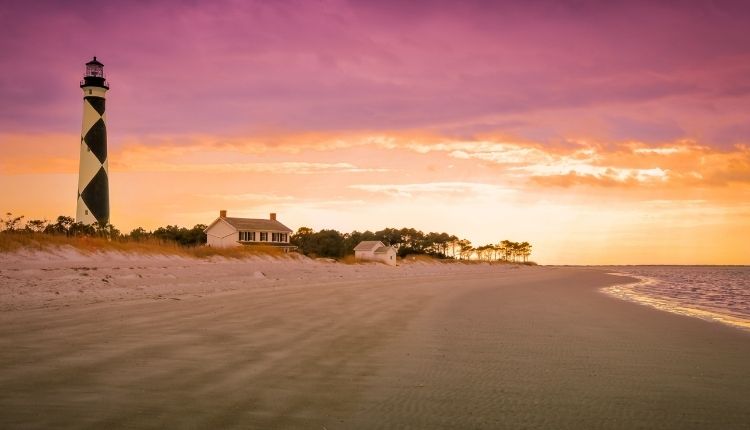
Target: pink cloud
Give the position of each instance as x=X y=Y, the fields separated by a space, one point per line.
x=236 y=67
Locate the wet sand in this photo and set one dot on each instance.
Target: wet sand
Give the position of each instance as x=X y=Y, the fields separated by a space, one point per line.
x=479 y=348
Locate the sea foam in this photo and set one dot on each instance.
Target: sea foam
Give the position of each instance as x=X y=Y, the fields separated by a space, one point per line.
x=714 y=293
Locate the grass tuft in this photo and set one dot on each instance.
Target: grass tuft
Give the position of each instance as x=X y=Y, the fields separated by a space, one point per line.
x=237 y=252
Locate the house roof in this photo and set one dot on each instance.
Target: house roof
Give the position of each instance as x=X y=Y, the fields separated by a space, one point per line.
x=368 y=245
x=253 y=224
x=384 y=250
x=257 y=224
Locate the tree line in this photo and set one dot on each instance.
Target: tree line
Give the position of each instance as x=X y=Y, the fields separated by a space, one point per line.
x=407 y=241
x=67 y=226
x=323 y=243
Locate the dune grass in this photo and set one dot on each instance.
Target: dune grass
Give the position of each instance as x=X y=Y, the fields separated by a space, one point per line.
x=16 y=241
x=11 y=242
x=236 y=252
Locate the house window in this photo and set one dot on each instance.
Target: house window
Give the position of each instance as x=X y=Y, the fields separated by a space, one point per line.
x=263 y=236
x=247 y=236
x=279 y=237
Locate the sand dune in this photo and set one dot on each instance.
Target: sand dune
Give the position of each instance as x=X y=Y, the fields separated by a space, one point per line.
x=143 y=342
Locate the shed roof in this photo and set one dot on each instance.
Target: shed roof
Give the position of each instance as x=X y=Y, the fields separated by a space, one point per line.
x=384 y=250
x=368 y=245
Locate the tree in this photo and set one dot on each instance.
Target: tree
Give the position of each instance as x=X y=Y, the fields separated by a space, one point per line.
x=302 y=238
x=10 y=223
x=351 y=240
x=139 y=234
x=505 y=249
x=454 y=244
x=62 y=225
x=196 y=235
x=184 y=236
x=495 y=251
x=436 y=244
x=465 y=249
x=525 y=250
x=411 y=242
x=329 y=243
x=36 y=225
x=80 y=229
x=389 y=237
x=482 y=252
x=325 y=243
x=106 y=230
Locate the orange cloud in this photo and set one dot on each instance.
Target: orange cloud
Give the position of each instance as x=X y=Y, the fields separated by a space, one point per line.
x=680 y=164
x=582 y=163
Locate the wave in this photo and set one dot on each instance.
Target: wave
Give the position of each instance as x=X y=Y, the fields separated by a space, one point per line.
x=699 y=294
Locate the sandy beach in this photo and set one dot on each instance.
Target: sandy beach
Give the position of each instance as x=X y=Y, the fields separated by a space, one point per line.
x=124 y=341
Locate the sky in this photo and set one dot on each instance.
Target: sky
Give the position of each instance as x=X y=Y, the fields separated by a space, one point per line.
x=600 y=132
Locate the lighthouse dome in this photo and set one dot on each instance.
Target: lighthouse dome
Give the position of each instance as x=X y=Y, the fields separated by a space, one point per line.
x=94 y=76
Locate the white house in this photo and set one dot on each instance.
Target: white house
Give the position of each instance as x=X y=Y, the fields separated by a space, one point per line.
x=374 y=250
x=226 y=231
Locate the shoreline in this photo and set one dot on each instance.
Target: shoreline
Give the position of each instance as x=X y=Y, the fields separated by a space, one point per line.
x=324 y=345
x=627 y=293
x=711 y=293
x=75 y=265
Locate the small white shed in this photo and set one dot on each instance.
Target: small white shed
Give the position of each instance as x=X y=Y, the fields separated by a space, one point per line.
x=374 y=250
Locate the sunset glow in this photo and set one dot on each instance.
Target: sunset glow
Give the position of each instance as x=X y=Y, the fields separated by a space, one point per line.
x=614 y=133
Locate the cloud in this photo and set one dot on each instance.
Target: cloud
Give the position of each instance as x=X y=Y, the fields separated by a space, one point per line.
x=577 y=162
x=283 y=168
x=248 y=67
x=666 y=150
x=681 y=163
x=446 y=189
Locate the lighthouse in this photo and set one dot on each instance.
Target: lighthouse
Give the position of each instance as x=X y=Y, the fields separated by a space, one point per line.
x=93 y=180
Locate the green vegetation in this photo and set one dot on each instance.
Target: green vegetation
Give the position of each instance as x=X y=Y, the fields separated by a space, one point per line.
x=173 y=239
x=66 y=226
x=65 y=231
x=408 y=241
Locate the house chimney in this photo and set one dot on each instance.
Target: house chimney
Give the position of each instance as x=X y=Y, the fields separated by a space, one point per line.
x=223 y=213
x=273 y=216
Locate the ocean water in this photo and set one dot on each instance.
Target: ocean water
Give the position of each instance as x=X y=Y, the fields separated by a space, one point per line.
x=714 y=293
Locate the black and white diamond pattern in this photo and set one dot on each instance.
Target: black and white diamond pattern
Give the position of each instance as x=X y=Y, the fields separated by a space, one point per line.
x=93 y=179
